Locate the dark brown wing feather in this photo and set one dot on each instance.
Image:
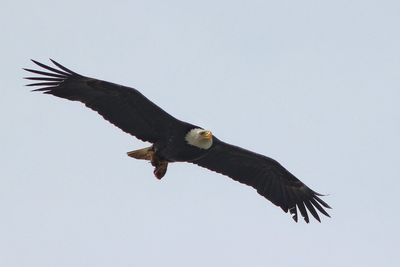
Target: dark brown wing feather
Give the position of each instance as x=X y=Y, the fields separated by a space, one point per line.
x=124 y=107
x=267 y=176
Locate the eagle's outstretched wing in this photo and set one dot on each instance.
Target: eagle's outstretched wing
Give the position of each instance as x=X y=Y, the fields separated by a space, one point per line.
x=267 y=176
x=124 y=107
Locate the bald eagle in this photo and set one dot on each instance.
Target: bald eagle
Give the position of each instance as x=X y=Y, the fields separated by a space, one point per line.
x=174 y=140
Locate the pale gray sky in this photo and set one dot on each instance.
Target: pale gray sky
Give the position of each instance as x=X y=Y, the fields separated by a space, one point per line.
x=313 y=84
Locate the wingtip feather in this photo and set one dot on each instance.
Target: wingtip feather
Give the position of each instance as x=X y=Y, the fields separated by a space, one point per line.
x=62 y=67
x=312 y=210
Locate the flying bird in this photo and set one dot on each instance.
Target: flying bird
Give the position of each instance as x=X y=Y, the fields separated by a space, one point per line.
x=174 y=140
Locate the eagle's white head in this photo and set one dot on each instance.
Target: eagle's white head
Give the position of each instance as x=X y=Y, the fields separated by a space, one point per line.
x=199 y=138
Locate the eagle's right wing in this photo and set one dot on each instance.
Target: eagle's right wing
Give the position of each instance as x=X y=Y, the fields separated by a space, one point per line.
x=124 y=107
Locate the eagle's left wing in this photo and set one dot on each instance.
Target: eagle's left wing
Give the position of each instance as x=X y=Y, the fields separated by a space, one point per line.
x=267 y=176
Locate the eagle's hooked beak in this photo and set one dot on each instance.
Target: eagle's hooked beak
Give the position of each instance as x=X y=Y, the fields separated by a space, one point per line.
x=206 y=135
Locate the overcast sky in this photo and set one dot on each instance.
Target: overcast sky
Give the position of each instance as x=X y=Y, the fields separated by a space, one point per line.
x=313 y=84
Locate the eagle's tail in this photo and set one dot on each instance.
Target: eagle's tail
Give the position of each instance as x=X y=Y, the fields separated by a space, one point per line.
x=144 y=153
x=147 y=153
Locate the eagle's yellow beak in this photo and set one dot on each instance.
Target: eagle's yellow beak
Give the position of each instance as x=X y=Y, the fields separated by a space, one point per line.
x=206 y=135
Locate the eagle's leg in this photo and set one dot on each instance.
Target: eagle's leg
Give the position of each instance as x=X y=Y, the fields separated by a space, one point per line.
x=160 y=166
x=148 y=153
